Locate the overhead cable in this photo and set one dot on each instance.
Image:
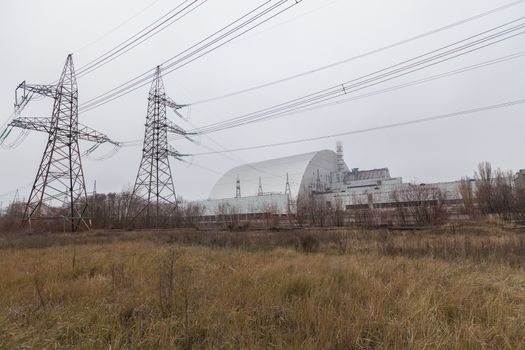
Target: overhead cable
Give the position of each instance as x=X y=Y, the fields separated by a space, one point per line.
x=377 y=128
x=368 y=53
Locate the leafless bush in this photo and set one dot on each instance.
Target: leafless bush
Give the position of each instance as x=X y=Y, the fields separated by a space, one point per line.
x=192 y=214
x=420 y=204
x=308 y=243
x=109 y=210
x=367 y=217
x=497 y=194
x=519 y=200
x=338 y=213
x=343 y=241
x=494 y=190
x=10 y=219
x=229 y=216
x=468 y=196
x=314 y=209
x=477 y=249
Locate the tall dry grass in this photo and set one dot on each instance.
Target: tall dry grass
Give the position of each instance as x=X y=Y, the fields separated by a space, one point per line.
x=216 y=290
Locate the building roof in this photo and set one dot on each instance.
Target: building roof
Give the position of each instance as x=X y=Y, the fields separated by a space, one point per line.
x=375 y=174
x=302 y=170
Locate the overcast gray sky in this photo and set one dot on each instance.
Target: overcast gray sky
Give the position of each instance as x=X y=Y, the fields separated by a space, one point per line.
x=36 y=36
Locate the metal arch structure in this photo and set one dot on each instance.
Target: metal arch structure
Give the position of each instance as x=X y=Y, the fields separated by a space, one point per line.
x=153 y=197
x=59 y=184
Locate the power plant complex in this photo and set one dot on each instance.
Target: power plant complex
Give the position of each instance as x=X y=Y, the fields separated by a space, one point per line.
x=286 y=186
x=280 y=186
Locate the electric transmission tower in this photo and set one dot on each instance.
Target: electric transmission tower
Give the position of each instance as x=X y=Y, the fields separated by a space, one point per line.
x=59 y=189
x=153 y=195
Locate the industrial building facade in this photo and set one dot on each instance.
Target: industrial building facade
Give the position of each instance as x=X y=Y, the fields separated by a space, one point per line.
x=286 y=186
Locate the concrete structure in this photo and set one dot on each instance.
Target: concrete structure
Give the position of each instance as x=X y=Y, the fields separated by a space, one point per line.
x=276 y=187
x=313 y=171
x=273 y=186
x=383 y=193
x=268 y=203
x=321 y=184
x=322 y=174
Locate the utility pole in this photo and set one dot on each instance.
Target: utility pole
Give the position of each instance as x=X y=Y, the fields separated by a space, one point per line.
x=153 y=194
x=238 y=187
x=288 y=193
x=260 y=191
x=59 y=184
x=318 y=182
x=340 y=161
x=287 y=189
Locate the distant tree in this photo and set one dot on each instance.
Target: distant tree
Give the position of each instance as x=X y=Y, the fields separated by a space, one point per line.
x=192 y=213
x=494 y=190
x=468 y=197
x=422 y=204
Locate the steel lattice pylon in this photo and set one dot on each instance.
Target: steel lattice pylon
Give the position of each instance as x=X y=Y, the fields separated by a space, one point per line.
x=59 y=185
x=153 y=195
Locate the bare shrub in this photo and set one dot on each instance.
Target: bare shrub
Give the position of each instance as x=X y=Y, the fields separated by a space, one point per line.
x=494 y=190
x=343 y=241
x=11 y=218
x=314 y=209
x=519 y=203
x=468 y=196
x=420 y=204
x=192 y=214
x=308 y=243
x=339 y=213
x=367 y=217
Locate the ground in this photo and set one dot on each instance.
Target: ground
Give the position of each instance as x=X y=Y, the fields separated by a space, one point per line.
x=453 y=287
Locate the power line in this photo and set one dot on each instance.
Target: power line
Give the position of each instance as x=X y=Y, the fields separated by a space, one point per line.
x=142 y=36
x=124 y=89
x=134 y=84
x=370 y=80
x=205 y=46
x=143 y=75
x=101 y=60
x=454 y=72
x=377 y=128
x=353 y=58
x=106 y=34
x=402 y=86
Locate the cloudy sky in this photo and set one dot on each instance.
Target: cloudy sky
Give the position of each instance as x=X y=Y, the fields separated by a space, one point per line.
x=36 y=37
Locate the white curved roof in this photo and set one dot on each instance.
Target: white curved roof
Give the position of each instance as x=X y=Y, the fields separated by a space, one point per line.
x=301 y=169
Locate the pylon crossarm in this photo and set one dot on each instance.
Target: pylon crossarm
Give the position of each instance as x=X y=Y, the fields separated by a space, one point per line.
x=34 y=124
x=24 y=92
x=174 y=128
x=44 y=90
x=88 y=134
x=43 y=124
x=168 y=102
x=22 y=103
x=172 y=152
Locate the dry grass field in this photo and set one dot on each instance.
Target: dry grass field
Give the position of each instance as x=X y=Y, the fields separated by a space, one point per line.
x=454 y=287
